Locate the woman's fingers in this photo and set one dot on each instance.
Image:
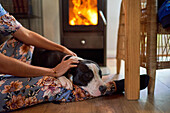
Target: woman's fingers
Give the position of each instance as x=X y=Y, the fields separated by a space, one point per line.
x=73 y=61
x=74 y=54
x=65 y=65
x=73 y=66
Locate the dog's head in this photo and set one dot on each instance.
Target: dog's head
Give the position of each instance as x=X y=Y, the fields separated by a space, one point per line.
x=88 y=76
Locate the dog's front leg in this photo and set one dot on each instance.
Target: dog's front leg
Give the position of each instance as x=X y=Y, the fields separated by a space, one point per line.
x=66 y=83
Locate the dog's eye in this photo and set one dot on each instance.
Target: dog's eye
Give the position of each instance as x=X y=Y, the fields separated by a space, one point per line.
x=88 y=75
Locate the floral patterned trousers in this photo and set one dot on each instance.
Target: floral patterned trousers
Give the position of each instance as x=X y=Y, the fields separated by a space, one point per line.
x=19 y=92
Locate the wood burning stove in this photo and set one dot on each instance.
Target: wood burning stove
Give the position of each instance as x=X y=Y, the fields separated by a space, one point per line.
x=83 y=28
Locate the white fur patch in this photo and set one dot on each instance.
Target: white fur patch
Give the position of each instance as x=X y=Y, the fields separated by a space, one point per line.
x=77 y=58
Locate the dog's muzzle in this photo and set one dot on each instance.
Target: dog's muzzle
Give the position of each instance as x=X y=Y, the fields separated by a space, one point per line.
x=102 y=89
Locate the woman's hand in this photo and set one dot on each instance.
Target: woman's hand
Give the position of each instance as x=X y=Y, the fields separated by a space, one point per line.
x=69 y=52
x=64 y=66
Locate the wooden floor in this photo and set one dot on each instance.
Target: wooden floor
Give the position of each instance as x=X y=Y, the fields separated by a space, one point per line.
x=159 y=103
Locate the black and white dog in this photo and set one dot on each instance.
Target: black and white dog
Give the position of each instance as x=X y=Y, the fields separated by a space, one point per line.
x=87 y=74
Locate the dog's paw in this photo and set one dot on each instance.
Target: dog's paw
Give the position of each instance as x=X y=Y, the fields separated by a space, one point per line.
x=66 y=83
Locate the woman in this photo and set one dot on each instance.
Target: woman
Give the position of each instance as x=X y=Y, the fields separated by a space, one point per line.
x=22 y=84
x=15 y=55
x=29 y=84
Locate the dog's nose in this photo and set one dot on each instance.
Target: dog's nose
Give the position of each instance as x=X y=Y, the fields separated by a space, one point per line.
x=102 y=89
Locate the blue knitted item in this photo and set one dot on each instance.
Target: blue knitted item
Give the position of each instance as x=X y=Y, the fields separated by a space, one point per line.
x=164 y=14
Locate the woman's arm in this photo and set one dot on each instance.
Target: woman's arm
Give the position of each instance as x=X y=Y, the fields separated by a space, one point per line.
x=32 y=38
x=14 y=67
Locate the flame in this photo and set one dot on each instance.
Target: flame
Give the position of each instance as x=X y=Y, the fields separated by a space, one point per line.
x=83 y=12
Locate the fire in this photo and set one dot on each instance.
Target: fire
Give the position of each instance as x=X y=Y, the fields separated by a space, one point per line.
x=83 y=12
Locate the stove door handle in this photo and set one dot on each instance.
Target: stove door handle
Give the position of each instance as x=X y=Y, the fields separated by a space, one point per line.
x=103 y=17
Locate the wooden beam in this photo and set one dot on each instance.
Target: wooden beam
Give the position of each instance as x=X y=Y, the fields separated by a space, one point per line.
x=132 y=61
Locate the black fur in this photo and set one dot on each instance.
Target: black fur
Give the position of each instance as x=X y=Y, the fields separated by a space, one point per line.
x=46 y=58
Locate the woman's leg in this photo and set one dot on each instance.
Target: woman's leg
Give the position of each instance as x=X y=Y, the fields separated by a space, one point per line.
x=18 y=92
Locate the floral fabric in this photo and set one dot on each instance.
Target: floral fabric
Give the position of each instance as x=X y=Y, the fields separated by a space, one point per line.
x=8 y=25
x=22 y=92
x=18 y=50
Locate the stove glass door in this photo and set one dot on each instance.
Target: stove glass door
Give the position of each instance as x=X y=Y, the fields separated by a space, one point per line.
x=83 y=12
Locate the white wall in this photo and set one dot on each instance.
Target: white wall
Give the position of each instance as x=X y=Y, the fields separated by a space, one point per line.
x=113 y=10
x=51 y=20
x=52 y=26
